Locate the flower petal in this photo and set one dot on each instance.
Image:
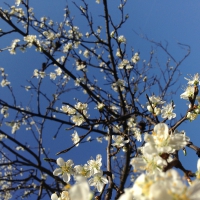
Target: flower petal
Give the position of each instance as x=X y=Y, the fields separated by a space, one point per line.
x=57 y=172
x=66 y=177
x=60 y=162
x=54 y=196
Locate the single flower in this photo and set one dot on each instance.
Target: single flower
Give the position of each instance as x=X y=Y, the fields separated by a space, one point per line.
x=95 y=165
x=98 y=181
x=167 y=111
x=75 y=138
x=189 y=93
x=65 y=170
x=119 y=141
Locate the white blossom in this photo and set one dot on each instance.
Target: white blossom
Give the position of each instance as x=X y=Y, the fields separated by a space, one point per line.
x=127 y=195
x=162 y=142
x=118 y=53
x=125 y=64
x=65 y=169
x=95 y=165
x=67 y=47
x=119 y=84
x=99 y=139
x=79 y=119
x=192 y=116
x=82 y=170
x=100 y=106
x=68 y=110
x=156 y=100
x=19 y=148
x=30 y=39
x=98 y=181
x=112 y=34
x=27 y=88
x=80 y=190
x=155 y=110
x=167 y=111
x=17 y=2
x=189 y=93
x=58 y=71
x=13 y=46
x=137 y=133
x=194 y=80
x=75 y=138
x=64 y=196
x=52 y=76
x=149 y=163
x=80 y=65
x=135 y=58
x=86 y=53
x=14 y=125
x=4 y=83
x=165 y=186
x=198 y=169
x=81 y=106
x=119 y=141
x=4 y=111
x=37 y=73
x=121 y=39
x=49 y=35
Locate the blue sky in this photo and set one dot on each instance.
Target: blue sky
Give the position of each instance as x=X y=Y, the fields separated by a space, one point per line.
x=161 y=21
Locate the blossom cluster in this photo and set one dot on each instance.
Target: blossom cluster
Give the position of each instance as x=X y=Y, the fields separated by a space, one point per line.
x=126 y=64
x=190 y=94
x=78 y=113
x=14 y=125
x=79 y=191
x=132 y=130
x=4 y=81
x=157 y=149
x=4 y=111
x=153 y=157
x=166 y=112
x=6 y=177
x=91 y=170
x=168 y=186
x=154 y=185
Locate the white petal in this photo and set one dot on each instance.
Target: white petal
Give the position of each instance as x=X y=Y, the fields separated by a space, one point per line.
x=81 y=190
x=60 y=162
x=91 y=182
x=138 y=164
x=126 y=141
x=100 y=186
x=54 y=196
x=128 y=195
x=148 y=138
x=113 y=137
x=194 y=190
x=98 y=158
x=104 y=180
x=158 y=191
x=137 y=189
x=70 y=162
x=198 y=165
x=57 y=172
x=66 y=177
x=161 y=129
x=149 y=149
